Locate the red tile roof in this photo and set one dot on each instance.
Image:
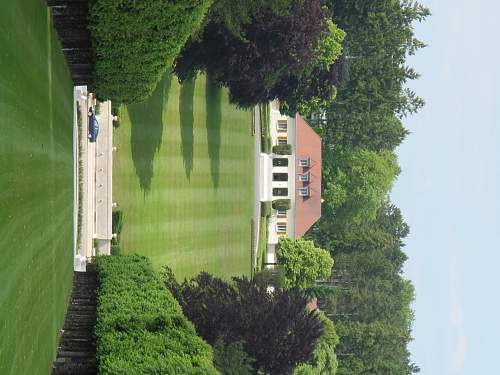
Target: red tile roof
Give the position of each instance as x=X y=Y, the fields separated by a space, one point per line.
x=308 y=145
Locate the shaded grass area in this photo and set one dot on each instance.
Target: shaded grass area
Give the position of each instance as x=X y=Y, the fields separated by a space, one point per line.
x=36 y=181
x=186 y=191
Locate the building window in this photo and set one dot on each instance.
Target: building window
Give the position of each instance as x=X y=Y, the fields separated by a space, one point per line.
x=281 y=213
x=280 y=192
x=282 y=125
x=304 y=192
x=282 y=141
x=281 y=227
x=280 y=176
x=304 y=177
x=280 y=162
x=304 y=162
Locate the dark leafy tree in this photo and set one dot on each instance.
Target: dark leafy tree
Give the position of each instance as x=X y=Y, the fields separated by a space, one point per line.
x=234 y=14
x=276 y=328
x=275 y=58
x=231 y=359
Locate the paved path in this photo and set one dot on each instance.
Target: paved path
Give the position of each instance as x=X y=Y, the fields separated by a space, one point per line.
x=86 y=168
x=103 y=179
x=95 y=167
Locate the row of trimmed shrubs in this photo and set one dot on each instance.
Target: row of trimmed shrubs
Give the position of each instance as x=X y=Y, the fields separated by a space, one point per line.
x=140 y=326
x=136 y=42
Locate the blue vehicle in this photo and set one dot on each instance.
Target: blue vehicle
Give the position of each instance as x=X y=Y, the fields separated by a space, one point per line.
x=93 y=126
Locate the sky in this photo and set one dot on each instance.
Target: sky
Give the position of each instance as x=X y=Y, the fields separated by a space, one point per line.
x=449 y=190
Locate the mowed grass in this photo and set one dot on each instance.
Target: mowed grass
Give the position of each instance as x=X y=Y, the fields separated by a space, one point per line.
x=36 y=185
x=183 y=176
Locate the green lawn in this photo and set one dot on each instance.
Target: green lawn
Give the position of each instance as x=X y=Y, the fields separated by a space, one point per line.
x=183 y=176
x=36 y=183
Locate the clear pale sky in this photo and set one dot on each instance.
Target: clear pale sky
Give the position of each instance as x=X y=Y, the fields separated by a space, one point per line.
x=449 y=190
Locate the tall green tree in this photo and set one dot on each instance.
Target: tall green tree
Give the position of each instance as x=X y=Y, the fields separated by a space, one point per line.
x=372 y=95
x=303 y=262
x=359 y=183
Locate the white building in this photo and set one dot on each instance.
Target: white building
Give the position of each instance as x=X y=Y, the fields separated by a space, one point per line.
x=294 y=177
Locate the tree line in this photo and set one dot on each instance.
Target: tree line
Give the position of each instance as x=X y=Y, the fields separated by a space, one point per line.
x=367 y=297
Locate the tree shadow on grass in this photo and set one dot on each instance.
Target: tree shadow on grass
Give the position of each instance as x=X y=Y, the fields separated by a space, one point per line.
x=186 y=99
x=147 y=131
x=213 y=94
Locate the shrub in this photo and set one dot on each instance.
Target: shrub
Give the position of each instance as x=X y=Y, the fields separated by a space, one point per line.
x=117 y=221
x=135 y=43
x=231 y=358
x=266 y=144
x=281 y=204
x=116 y=249
x=265 y=209
x=270 y=277
x=285 y=149
x=140 y=326
x=303 y=262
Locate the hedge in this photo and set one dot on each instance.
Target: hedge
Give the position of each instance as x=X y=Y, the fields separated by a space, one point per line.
x=282 y=149
x=265 y=209
x=136 y=41
x=140 y=326
x=281 y=204
x=117 y=221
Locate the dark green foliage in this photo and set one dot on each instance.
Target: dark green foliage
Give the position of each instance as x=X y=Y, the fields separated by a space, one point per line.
x=276 y=329
x=274 y=277
x=231 y=359
x=269 y=61
x=135 y=43
x=116 y=249
x=373 y=95
x=366 y=296
x=281 y=204
x=117 y=221
x=314 y=89
x=140 y=327
x=324 y=360
x=282 y=149
x=265 y=209
x=233 y=14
